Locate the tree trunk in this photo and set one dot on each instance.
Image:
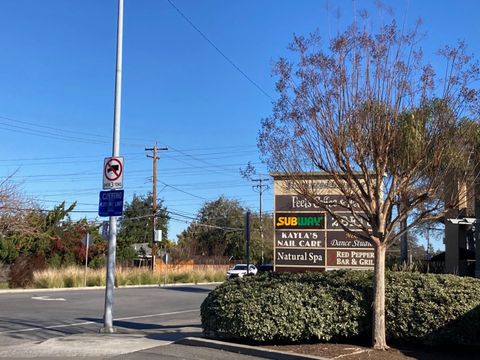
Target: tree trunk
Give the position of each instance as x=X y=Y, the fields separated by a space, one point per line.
x=378 y=330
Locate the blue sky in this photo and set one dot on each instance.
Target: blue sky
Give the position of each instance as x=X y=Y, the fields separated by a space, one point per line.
x=57 y=86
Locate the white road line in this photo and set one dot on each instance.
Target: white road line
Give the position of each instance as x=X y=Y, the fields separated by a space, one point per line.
x=47 y=298
x=95 y=322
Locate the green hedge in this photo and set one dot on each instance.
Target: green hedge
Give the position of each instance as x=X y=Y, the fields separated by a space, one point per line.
x=422 y=308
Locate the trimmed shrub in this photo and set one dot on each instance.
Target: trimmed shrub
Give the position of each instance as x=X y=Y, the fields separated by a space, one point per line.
x=433 y=309
x=286 y=307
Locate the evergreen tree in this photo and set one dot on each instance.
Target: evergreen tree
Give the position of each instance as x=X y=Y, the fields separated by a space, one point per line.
x=136 y=225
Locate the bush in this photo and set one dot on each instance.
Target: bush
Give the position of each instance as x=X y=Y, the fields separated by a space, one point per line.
x=4 y=273
x=423 y=308
x=21 y=272
x=97 y=262
x=433 y=309
x=287 y=307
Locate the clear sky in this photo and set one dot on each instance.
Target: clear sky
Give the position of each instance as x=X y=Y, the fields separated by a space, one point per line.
x=57 y=68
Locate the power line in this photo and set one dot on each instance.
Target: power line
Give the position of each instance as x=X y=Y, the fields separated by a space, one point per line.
x=221 y=171
x=61 y=130
x=64 y=157
x=43 y=134
x=182 y=191
x=236 y=67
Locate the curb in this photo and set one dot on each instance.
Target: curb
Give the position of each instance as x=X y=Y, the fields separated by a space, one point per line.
x=246 y=349
x=12 y=291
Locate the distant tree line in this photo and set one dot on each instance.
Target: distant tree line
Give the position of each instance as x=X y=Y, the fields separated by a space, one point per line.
x=219 y=232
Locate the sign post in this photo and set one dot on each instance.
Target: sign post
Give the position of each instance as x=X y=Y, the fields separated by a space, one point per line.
x=87 y=241
x=112 y=239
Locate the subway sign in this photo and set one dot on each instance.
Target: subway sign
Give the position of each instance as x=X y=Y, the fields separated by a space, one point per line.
x=299 y=221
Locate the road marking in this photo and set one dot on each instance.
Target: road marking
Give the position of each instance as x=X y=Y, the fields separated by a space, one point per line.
x=47 y=298
x=94 y=322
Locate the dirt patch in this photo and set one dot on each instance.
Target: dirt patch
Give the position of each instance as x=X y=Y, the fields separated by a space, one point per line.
x=358 y=352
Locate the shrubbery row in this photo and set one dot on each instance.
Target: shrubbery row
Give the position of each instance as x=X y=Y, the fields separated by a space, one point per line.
x=421 y=308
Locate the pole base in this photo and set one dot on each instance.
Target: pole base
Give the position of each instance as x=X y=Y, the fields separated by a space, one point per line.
x=108 y=330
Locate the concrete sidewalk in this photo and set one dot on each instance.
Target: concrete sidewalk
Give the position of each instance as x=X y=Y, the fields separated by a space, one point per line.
x=135 y=347
x=85 y=345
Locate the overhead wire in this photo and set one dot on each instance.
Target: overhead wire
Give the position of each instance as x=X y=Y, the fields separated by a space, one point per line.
x=230 y=61
x=35 y=126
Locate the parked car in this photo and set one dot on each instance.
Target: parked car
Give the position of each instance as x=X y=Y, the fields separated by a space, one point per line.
x=265 y=268
x=240 y=270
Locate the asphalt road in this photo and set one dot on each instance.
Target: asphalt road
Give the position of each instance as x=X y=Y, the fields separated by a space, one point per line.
x=157 y=313
x=66 y=324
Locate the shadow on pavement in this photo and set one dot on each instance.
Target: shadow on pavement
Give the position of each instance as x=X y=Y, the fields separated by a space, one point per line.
x=140 y=326
x=192 y=289
x=173 y=336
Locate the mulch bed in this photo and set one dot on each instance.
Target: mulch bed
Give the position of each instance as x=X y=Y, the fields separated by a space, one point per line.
x=363 y=352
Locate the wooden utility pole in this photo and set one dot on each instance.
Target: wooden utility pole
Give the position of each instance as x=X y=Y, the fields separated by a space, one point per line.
x=259 y=187
x=155 y=157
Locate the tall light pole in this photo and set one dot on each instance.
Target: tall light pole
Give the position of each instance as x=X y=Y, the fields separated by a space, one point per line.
x=112 y=240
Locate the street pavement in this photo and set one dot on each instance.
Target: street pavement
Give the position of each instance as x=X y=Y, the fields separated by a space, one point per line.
x=150 y=322
x=68 y=323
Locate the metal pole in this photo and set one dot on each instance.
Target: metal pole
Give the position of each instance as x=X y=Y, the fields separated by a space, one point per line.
x=247 y=239
x=112 y=241
x=428 y=243
x=86 y=261
x=261 y=225
x=477 y=211
x=166 y=268
x=403 y=238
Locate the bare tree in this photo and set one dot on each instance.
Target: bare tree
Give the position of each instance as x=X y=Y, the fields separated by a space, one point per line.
x=370 y=113
x=14 y=209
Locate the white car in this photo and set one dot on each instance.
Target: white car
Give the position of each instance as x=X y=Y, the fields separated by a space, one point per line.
x=240 y=270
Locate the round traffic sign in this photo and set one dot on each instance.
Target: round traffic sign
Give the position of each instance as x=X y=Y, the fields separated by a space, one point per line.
x=113 y=169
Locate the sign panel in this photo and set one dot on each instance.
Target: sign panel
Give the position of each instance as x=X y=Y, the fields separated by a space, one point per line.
x=299 y=203
x=300 y=257
x=302 y=239
x=342 y=239
x=348 y=220
x=300 y=220
x=111 y=203
x=113 y=172
x=350 y=258
x=307 y=237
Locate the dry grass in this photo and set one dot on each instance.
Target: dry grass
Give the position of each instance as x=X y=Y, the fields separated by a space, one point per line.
x=74 y=276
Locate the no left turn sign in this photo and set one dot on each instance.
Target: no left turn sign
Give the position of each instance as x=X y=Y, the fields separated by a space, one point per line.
x=113 y=172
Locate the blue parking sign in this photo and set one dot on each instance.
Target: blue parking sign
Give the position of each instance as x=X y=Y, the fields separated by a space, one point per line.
x=110 y=203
